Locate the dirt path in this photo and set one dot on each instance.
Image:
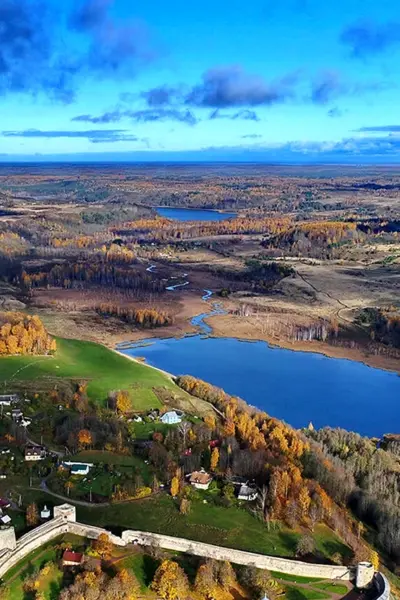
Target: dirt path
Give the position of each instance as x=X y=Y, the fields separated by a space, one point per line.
x=311 y=587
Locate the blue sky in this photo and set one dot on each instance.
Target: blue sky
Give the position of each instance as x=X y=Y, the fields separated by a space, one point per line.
x=294 y=80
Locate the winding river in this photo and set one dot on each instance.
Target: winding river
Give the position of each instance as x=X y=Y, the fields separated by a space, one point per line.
x=297 y=387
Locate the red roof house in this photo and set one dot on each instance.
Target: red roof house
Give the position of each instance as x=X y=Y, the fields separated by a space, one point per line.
x=72 y=559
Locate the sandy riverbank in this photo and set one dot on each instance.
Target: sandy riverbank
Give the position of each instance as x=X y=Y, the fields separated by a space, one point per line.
x=234 y=326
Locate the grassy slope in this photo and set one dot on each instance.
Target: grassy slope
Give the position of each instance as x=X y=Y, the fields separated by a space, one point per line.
x=104 y=370
x=231 y=527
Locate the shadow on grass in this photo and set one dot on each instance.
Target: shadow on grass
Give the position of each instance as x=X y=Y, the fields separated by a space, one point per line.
x=150 y=566
x=289 y=541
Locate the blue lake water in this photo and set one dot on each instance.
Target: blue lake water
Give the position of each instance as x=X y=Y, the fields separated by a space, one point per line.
x=297 y=387
x=194 y=214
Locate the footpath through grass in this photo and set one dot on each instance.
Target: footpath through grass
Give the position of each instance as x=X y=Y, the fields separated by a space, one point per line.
x=103 y=369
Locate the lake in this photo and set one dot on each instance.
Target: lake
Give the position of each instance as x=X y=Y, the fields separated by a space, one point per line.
x=194 y=214
x=297 y=387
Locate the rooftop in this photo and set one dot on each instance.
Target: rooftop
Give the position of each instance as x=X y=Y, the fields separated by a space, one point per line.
x=75 y=557
x=200 y=477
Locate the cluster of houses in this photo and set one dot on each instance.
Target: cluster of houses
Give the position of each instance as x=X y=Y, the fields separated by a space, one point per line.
x=8 y=401
x=245 y=490
x=172 y=417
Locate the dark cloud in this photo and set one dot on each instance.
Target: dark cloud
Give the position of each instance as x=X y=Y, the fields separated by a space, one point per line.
x=90 y=14
x=93 y=135
x=368 y=38
x=244 y=114
x=141 y=116
x=28 y=60
x=380 y=129
x=226 y=87
x=162 y=95
x=34 y=59
x=251 y=136
x=108 y=117
x=115 y=47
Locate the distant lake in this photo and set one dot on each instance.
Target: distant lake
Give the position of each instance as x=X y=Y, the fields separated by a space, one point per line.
x=297 y=387
x=194 y=214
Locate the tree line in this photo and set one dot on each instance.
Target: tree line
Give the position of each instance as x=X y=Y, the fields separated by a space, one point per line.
x=146 y=317
x=362 y=475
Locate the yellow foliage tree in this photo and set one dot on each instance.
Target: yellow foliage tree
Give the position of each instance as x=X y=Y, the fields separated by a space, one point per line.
x=170 y=581
x=210 y=421
x=304 y=502
x=175 y=486
x=214 y=459
x=374 y=559
x=102 y=545
x=123 y=402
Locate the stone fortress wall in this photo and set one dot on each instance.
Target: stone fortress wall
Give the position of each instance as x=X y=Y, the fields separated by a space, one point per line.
x=64 y=521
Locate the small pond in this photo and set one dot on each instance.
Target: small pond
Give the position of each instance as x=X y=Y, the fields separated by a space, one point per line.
x=194 y=214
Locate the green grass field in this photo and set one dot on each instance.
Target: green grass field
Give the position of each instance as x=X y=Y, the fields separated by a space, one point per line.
x=103 y=369
x=231 y=527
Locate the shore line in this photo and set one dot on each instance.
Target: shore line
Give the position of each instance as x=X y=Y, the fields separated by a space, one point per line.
x=144 y=363
x=335 y=352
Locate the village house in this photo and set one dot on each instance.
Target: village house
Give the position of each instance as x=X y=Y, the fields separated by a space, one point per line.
x=247 y=493
x=8 y=399
x=78 y=468
x=200 y=480
x=72 y=559
x=171 y=418
x=34 y=453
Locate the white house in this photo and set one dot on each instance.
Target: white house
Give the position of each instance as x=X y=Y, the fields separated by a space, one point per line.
x=78 y=468
x=171 y=418
x=33 y=453
x=200 y=480
x=247 y=493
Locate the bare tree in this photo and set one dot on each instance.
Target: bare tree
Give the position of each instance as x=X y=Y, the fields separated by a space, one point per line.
x=262 y=508
x=184 y=429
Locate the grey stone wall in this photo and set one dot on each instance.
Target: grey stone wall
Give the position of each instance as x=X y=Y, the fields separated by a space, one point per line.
x=31 y=541
x=60 y=525
x=382 y=587
x=7 y=538
x=272 y=563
